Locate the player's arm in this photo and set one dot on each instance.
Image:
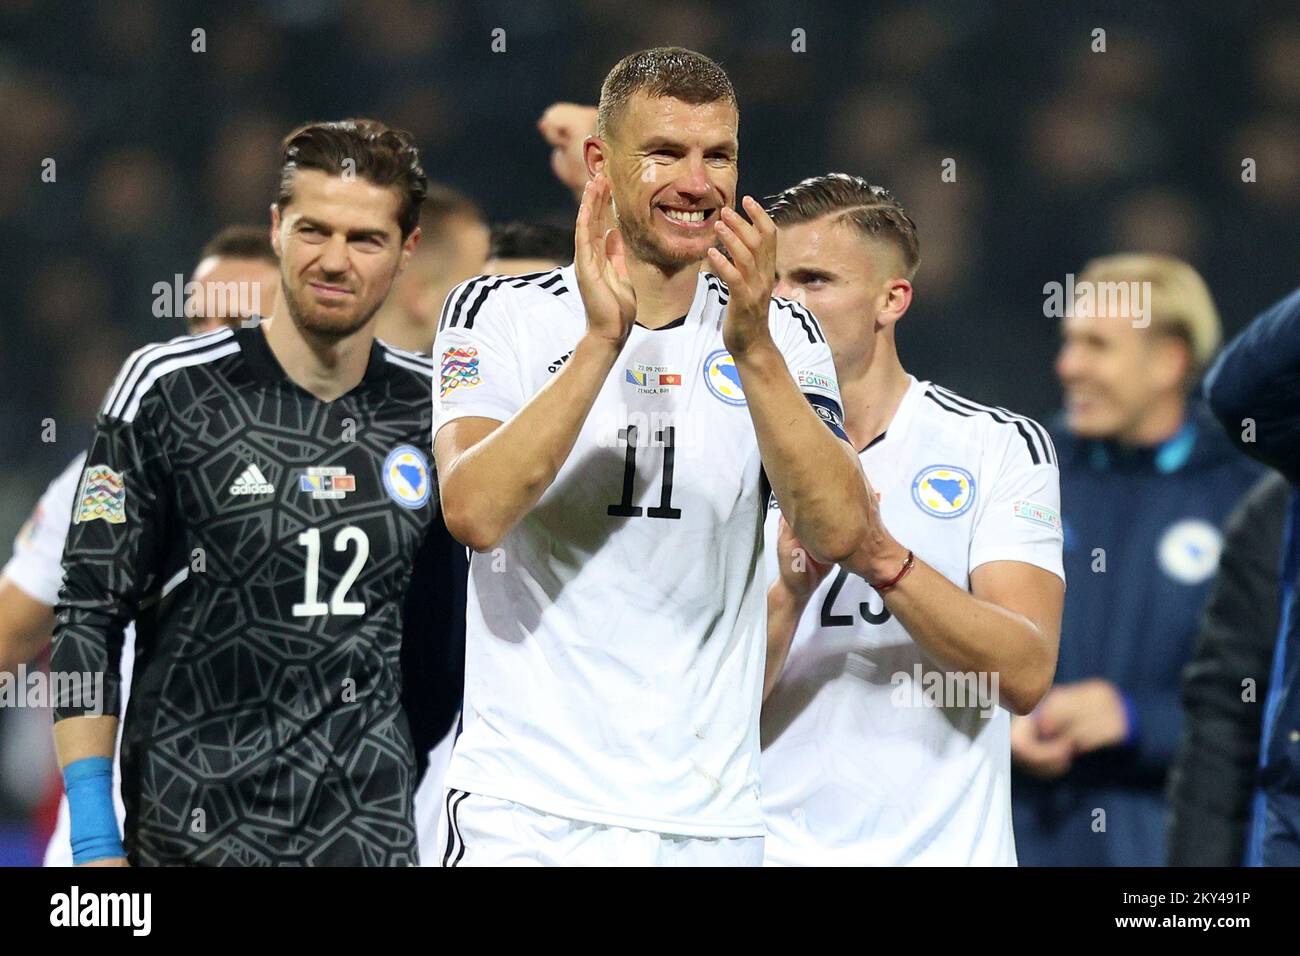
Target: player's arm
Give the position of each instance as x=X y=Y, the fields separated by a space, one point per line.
x=1009 y=623
x=814 y=474
x=25 y=625
x=492 y=473
x=1254 y=388
x=29 y=584
x=1212 y=778
x=797 y=578
x=110 y=561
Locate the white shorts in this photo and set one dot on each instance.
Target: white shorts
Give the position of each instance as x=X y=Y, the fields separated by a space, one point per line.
x=429 y=799
x=484 y=831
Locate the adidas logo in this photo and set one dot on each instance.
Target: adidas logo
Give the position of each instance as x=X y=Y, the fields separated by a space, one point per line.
x=251 y=481
x=556 y=365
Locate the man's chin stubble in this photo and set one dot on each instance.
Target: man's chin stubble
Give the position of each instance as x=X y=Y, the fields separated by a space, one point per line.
x=326 y=330
x=648 y=251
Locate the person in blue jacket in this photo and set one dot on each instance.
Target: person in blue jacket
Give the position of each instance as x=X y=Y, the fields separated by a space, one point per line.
x=1148 y=480
x=1254 y=389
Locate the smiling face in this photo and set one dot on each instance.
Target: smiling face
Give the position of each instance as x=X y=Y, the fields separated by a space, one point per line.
x=1116 y=376
x=673 y=166
x=340 y=248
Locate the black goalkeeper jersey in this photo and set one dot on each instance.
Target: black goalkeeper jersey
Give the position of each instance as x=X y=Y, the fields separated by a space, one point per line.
x=263 y=540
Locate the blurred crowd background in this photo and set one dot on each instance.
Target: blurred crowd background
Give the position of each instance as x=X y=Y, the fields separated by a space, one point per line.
x=1061 y=153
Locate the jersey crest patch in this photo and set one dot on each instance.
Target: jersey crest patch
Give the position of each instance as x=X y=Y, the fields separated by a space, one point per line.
x=944 y=491
x=459 y=370
x=406 y=477
x=723 y=378
x=1189 y=550
x=102 y=495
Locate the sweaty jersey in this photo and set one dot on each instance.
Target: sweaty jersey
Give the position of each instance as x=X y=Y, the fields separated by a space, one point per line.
x=263 y=540
x=616 y=637
x=872 y=753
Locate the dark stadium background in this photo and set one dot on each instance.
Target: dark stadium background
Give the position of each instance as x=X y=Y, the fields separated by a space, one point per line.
x=1061 y=154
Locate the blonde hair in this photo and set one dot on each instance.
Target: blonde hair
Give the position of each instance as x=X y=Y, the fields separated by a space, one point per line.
x=1180 y=303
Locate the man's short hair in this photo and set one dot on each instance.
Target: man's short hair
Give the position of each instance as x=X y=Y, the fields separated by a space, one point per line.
x=1180 y=303
x=443 y=204
x=363 y=147
x=663 y=71
x=872 y=210
x=532 y=240
x=241 y=242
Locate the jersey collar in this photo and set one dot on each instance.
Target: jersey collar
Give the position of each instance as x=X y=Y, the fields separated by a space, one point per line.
x=902 y=420
x=265 y=366
x=1164 y=458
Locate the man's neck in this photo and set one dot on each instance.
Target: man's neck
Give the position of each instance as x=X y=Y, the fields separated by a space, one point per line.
x=661 y=298
x=325 y=367
x=872 y=394
x=404 y=330
x=1158 y=425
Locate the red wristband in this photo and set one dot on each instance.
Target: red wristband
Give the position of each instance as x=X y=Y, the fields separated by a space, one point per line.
x=907 y=566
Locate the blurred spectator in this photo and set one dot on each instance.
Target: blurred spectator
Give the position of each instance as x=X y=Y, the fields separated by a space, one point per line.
x=1147 y=481
x=1213 y=780
x=518 y=248
x=1254 y=389
x=453 y=247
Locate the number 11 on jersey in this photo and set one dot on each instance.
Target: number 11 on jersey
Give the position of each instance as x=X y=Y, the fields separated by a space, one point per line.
x=665 y=509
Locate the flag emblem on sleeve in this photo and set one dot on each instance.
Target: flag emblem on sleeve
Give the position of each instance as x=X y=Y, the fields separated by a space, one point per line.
x=102 y=494
x=459 y=370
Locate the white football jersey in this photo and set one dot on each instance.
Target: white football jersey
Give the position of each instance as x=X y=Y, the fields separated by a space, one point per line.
x=872 y=755
x=616 y=638
x=37 y=567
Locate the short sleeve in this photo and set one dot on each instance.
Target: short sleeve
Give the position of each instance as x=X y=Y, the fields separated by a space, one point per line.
x=37 y=562
x=808 y=357
x=1021 y=515
x=479 y=367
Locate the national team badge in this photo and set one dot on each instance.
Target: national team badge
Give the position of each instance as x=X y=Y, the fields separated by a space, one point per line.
x=406 y=477
x=102 y=494
x=459 y=370
x=944 y=491
x=723 y=378
x=651 y=379
x=1189 y=550
x=330 y=482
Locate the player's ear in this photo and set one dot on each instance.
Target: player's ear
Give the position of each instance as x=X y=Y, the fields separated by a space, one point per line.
x=898 y=299
x=275 y=230
x=1171 y=361
x=594 y=151
x=408 y=249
